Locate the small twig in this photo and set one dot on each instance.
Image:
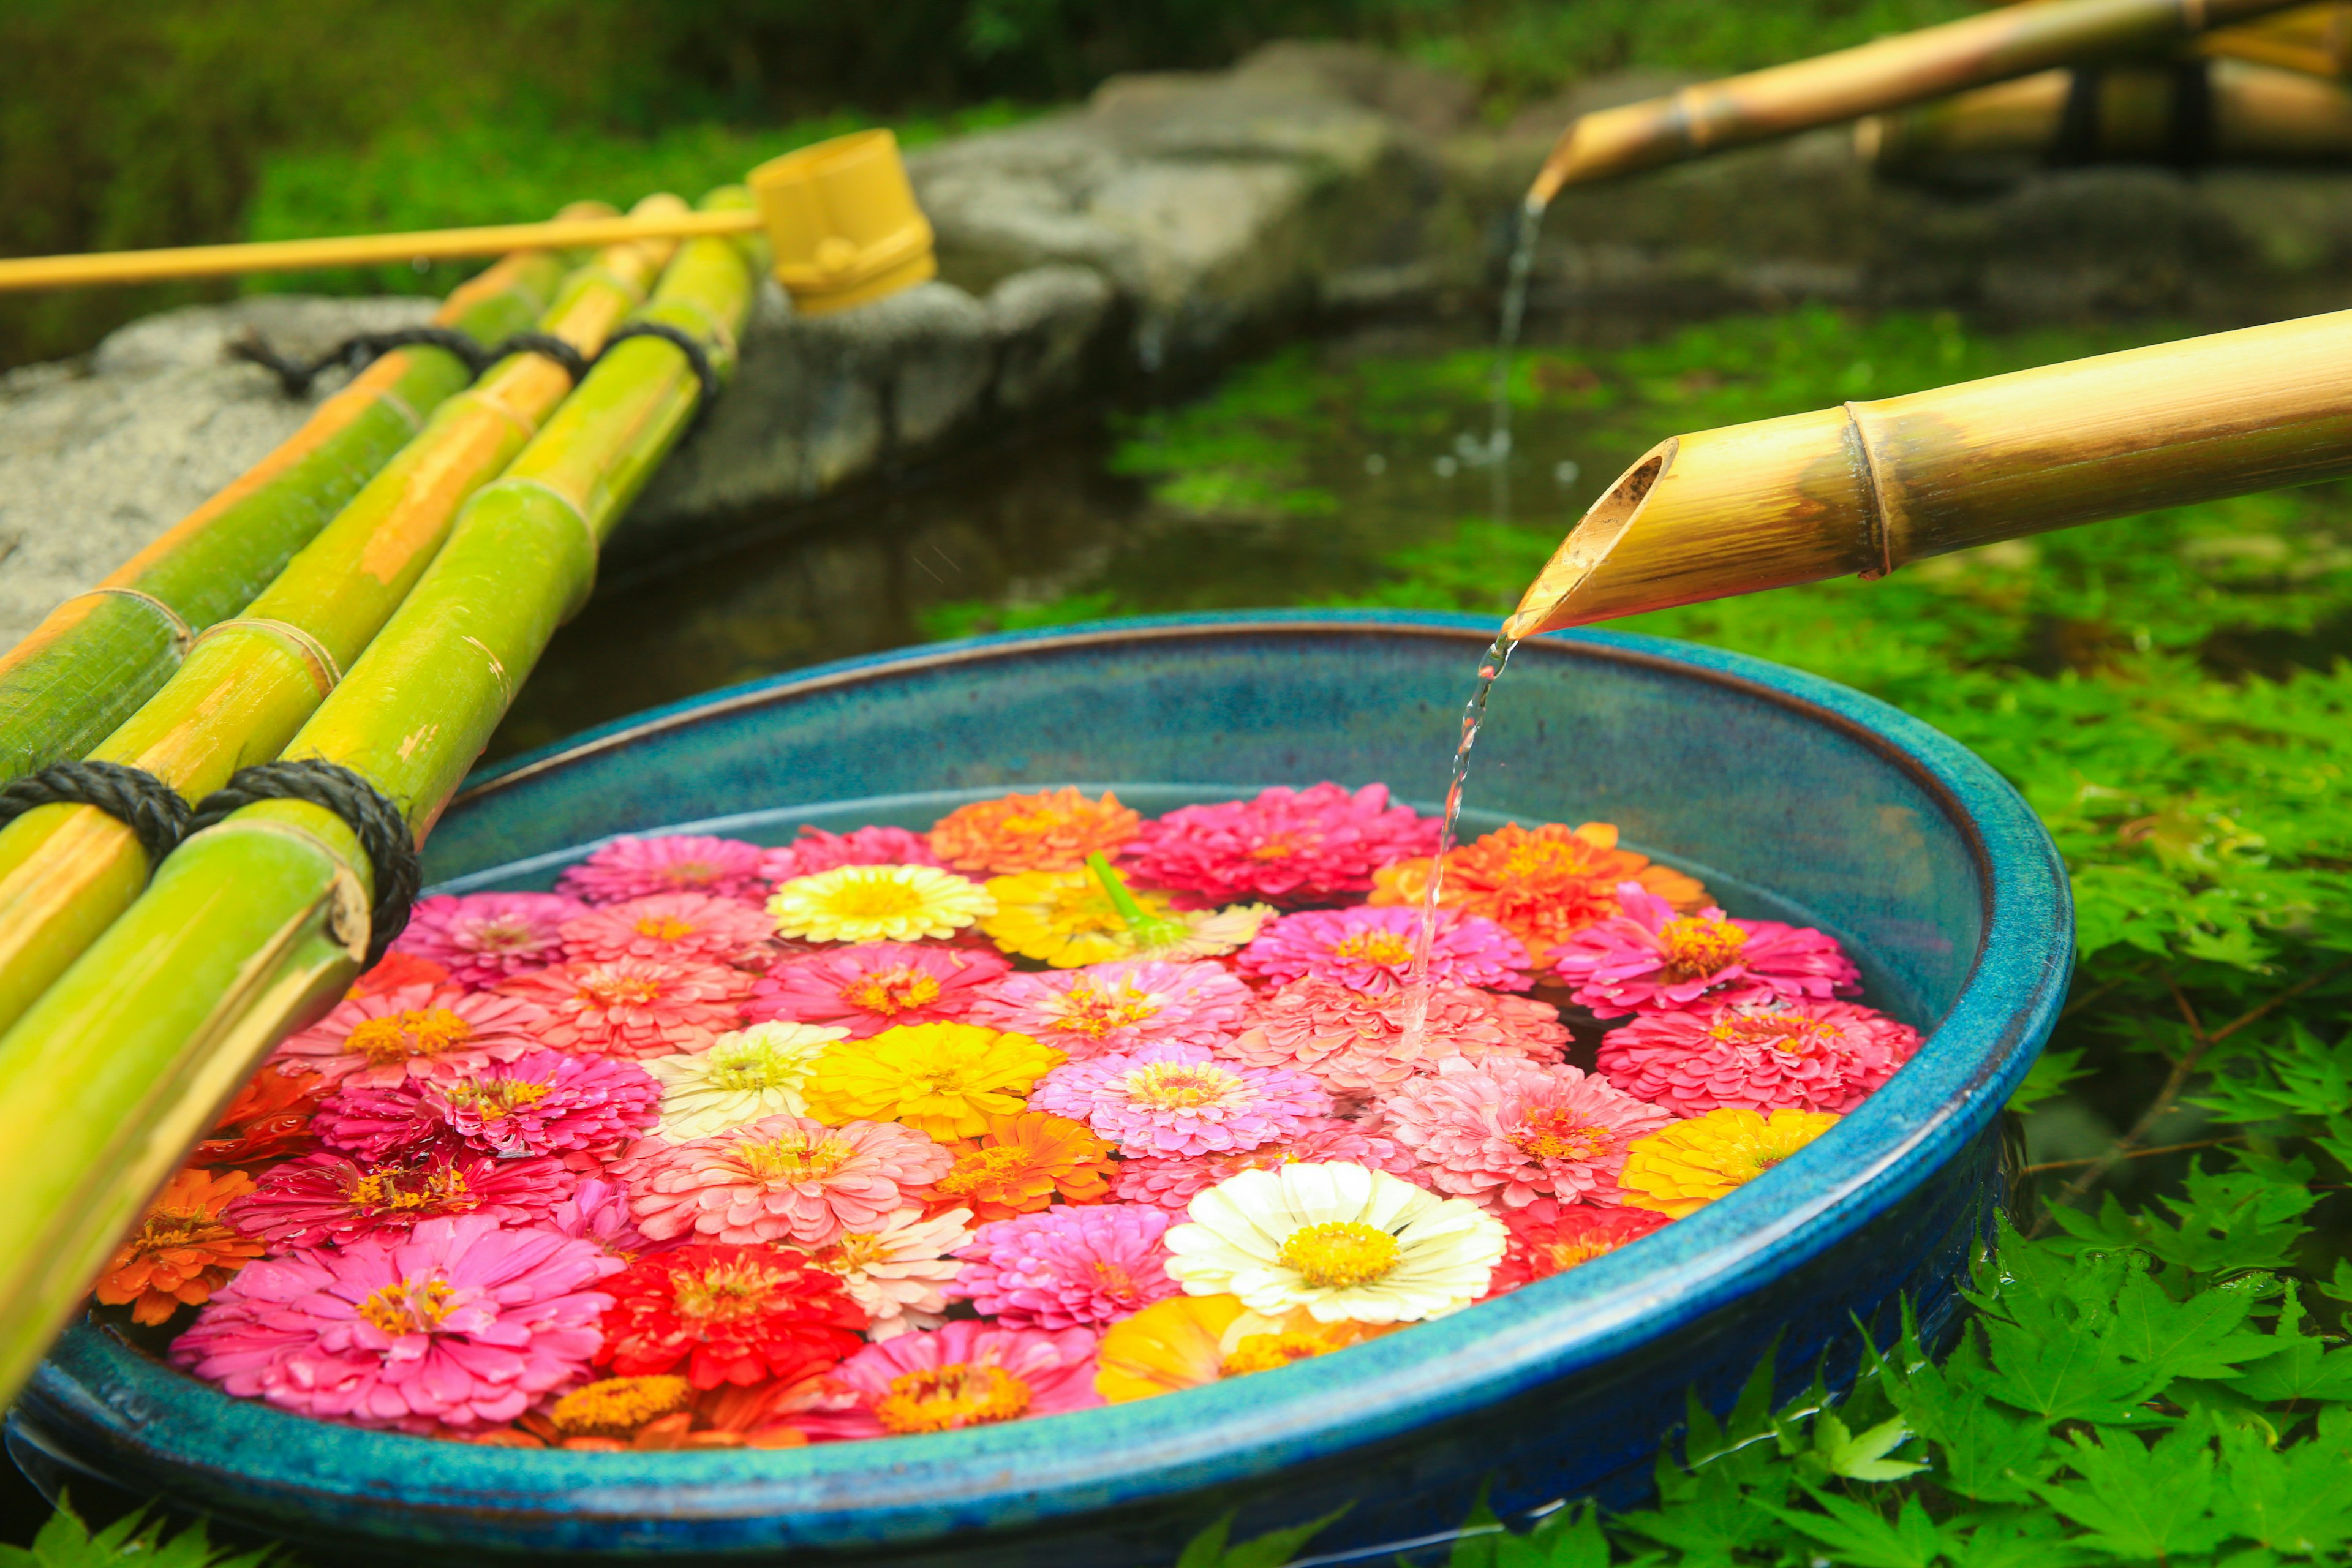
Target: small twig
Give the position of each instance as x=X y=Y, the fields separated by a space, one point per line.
x=2133 y=1154
x=2077 y=1004
x=2289 y=994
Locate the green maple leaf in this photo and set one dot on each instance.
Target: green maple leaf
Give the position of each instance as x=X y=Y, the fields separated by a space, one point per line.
x=2010 y=1540
x=2302 y=1368
x=1862 y=1537
x=2225 y=1221
x=1209 y=1549
x=2198 y=1337
x=2296 y=1498
x=66 y=1543
x=1863 y=1458
x=1572 y=1538
x=2139 y=1500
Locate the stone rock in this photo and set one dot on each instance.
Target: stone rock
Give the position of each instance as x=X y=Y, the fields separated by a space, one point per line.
x=1047 y=322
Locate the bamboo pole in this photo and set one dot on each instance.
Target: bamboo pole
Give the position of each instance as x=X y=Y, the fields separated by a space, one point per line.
x=2316 y=41
x=65 y=872
x=255 y=927
x=1870 y=487
x=87 y=667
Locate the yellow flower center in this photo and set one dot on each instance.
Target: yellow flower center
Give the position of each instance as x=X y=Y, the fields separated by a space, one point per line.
x=955 y=1395
x=397 y=1036
x=1340 y=1254
x=722 y=1293
x=1093 y=1011
x=1790 y=1034
x=1114 y=1281
x=1382 y=947
x=689 y=873
x=663 y=927
x=795 y=1157
x=491 y=1099
x=618 y=990
x=617 y=1407
x=168 y=1232
x=1532 y=859
x=1041 y=821
x=850 y=1251
x=872 y=898
x=1281 y=846
x=497 y=936
x=1556 y=1134
x=403 y=1309
x=1267 y=1353
x=749 y=1066
x=889 y=991
x=401 y=1189
x=1697 y=946
x=980 y=1170
x=1569 y=1254
x=1180 y=1086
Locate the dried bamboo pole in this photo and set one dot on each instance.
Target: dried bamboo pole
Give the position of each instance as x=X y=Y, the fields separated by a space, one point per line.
x=66 y=871
x=1870 y=487
x=255 y=927
x=98 y=655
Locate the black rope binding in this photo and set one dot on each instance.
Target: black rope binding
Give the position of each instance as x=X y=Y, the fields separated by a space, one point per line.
x=697 y=358
x=360 y=350
x=382 y=831
x=132 y=796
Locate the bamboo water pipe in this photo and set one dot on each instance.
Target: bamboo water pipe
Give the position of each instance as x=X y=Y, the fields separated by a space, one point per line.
x=1870 y=487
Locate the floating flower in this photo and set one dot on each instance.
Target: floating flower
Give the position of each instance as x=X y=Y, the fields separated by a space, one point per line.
x=745 y=1075
x=620 y=1406
x=395 y=969
x=1169 y=1345
x=545 y=1102
x=728 y=1314
x=1542 y=885
x=1370 y=950
x=1356 y=1044
x=1341 y=1241
x=1286 y=844
x=386 y=1039
x=1256 y=1342
x=899 y=1274
x=677 y=928
x=1811 y=1054
x=1119 y=1006
x=325 y=1197
x=946 y=1078
x=875 y=987
x=182 y=1250
x=1168 y=1099
x=878 y=903
x=1070 y=919
x=964 y=1374
x=817 y=850
x=634 y=1007
x=1172 y=1181
x=1648 y=959
x=1506 y=1132
x=598 y=1211
x=483 y=938
x=785 y=1179
x=373 y=1124
x=1022 y=1164
x=1692 y=1163
x=1054 y=831
x=268 y=1119
x=461 y=1323
x=630 y=867
x=1068 y=1265
x=1549 y=1236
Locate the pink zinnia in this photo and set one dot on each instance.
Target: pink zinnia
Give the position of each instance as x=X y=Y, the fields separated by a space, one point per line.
x=326 y=1197
x=635 y=1008
x=545 y=1103
x=1067 y=1266
x=817 y=850
x=414 y=1032
x=1108 y=1008
x=1171 y=1099
x=875 y=986
x=678 y=928
x=1172 y=1181
x=788 y=1179
x=373 y=1124
x=482 y=938
x=964 y=1374
x=1647 y=959
x=461 y=1323
x=1355 y=1044
x=631 y=867
x=1807 y=1056
x=1506 y=1132
x=1288 y=845
x=598 y=1211
x=1370 y=950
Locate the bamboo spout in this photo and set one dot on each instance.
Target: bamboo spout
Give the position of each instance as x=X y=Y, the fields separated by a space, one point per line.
x=1870 y=487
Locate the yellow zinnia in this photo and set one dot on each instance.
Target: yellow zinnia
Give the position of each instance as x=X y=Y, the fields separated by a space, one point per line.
x=945 y=1079
x=1069 y=919
x=877 y=903
x=1686 y=1166
x=1172 y=1344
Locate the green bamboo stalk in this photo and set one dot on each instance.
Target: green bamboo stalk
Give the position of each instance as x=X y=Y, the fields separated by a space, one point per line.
x=65 y=872
x=88 y=668
x=255 y=927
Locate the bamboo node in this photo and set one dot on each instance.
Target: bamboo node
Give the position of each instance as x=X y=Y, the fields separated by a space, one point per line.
x=325 y=671
x=184 y=637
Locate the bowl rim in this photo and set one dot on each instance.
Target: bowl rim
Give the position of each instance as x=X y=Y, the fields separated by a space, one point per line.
x=921 y=1487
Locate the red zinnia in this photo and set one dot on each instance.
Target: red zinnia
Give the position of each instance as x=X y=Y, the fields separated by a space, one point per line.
x=728 y=1314
x=268 y=1119
x=1547 y=1237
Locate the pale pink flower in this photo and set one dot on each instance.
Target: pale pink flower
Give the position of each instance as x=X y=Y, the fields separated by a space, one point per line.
x=1068 y=1265
x=462 y=1324
x=411 y=1032
x=1370 y=950
x=1172 y=1181
x=788 y=1179
x=325 y=1197
x=817 y=850
x=545 y=1102
x=963 y=1374
x=1171 y=1099
x=598 y=1211
x=1804 y=1056
x=899 y=1271
x=1647 y=959
x=1356 y=1044
x=631 y=867
x=1290 y=845
x=677 y=928
x=1119 y=1006
x=482 y=938
x=635 y=1008
x=1507 y=1132
x=871 y=986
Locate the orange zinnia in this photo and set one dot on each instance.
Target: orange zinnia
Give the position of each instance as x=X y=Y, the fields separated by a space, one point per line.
x=1021 y=1163
x=184 y=1251
x=1051 y=832
x=1542 y=885
x=268 y=1119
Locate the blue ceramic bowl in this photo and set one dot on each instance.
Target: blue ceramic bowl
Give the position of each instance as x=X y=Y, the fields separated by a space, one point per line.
x=1790 y=797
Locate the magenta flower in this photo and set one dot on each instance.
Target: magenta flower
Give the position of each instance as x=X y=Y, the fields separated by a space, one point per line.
x=676 y=928
x=1109 y=1007
x=598 y=1211
x=788 y=1179
x=1370 y=950
x=634 y=1007
x=545 y=1102
x=1355 y=1044
x=1804 y=1055
x=963 y=1374
x=875 y=986
x=1647 y=959
x=482 y=938
x=1170 y=1098
x=1172 y=1181
x=461 y=1323
x=375 y=1125
x=1067 y=1266
x=1291 y=846
x=630 y=867
x=1507 y=1132
x=326 y=1197
x=817 y=850
x=387 y=1038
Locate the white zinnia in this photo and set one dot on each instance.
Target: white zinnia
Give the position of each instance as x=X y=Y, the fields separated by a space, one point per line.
x=897 y=1273
x=744 y=1076
x=878 y=903
x=1346 y=1243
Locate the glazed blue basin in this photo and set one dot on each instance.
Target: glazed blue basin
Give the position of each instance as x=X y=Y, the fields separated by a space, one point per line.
x=1791 y=796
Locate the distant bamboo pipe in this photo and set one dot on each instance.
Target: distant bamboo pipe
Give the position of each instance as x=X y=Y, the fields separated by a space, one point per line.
x=1870 y=487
